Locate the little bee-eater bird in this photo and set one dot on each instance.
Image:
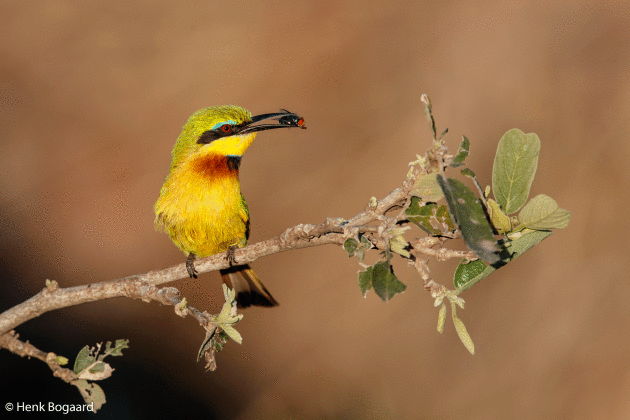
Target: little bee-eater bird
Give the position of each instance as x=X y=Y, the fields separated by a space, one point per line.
x=201 y=206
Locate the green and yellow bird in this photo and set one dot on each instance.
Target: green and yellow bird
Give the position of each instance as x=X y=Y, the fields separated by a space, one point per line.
x=201 y=206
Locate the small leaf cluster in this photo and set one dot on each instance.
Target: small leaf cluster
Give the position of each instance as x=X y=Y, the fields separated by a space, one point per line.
x=221 y=329
x=382 y=279
x=515 y=165
x=379 y=276
x=228 y=316
x=357 y=248
x=478 y=218
x=89 y=366
x=425 y=216
x=456 y=301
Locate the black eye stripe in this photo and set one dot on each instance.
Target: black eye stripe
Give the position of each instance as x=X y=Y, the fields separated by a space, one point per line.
x=209 y=136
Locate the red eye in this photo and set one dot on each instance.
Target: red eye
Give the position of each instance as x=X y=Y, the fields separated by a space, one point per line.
x=300 y=122
x=226 y=128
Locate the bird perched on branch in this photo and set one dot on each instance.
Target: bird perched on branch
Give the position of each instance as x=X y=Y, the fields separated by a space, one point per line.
x=201 y=206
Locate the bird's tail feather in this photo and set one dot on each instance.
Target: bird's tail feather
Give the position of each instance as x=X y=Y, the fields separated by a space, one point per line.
x=249 y=289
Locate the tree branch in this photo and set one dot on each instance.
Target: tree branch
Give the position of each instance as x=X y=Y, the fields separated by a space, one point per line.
x=143 y=286
x=372 y=221
x=11 y=342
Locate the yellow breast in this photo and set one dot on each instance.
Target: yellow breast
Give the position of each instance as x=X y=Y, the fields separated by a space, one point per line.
x=201 y=206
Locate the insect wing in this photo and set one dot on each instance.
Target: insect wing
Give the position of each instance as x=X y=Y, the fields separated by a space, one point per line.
x=470 y=217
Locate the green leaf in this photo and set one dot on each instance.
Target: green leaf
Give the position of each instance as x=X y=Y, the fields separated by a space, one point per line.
x=542 y=213
x=468 y=172
x=516 y=249
x=117 y=349
x=91 y=393
x=232 y=333
x=353 y=249
x=421 y=215
x=365 y=243
x=443 y=216
x=350 y=245
x=427 y=188
x=220 y=340
x=461 y=330
x=470 y=217
x=441 y=318
x=224 y=320
x=83 y=360
x=228 y=314
x=515 y=165
x=500 y=220
x=207 y=343
x=462 y=153
x=97 y=367
x=466 y=271
x=382 y=278
x=365 y=280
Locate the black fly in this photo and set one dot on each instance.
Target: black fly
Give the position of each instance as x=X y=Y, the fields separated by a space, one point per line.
x=292 y=119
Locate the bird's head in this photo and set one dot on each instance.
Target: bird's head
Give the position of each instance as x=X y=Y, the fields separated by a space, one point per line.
x=224 y=130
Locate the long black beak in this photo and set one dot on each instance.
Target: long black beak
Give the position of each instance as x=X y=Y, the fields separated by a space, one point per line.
x=285 y=120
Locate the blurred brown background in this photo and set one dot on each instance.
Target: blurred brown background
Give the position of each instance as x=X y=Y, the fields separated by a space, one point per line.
x=93 y=96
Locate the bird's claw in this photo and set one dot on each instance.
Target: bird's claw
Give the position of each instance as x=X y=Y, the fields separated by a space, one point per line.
x=190 y=265
x=230 y=255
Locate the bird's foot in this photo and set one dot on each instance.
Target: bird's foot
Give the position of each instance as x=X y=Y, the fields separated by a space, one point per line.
x=190 y=265
x=230 y=255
